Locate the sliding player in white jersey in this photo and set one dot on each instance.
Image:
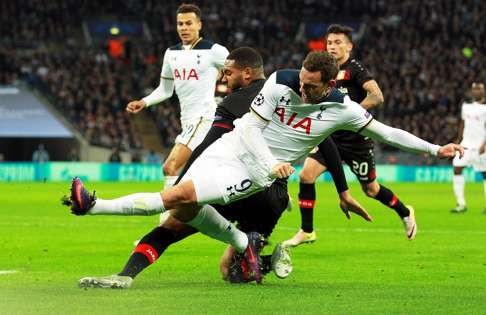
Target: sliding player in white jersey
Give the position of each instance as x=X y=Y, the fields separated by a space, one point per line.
x=191 y=69
x=472 y=135
x=292 y=114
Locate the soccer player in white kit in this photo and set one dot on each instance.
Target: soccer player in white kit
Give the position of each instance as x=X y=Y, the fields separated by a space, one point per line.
x=191 y=69
x=472 y=135
x=292 y=114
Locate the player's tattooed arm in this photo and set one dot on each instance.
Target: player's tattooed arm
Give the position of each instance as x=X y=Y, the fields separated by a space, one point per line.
x=375 y=95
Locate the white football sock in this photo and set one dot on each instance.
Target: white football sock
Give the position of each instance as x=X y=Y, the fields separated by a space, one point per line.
x=135 y=204
x=208 y=221
x=458 y=185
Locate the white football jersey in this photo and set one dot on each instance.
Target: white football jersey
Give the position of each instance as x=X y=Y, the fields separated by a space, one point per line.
x=474 y=116
x=194 y=72
x=295 y=128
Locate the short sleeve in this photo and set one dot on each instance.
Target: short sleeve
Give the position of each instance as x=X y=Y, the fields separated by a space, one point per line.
x=219 y=54
x=361 y=74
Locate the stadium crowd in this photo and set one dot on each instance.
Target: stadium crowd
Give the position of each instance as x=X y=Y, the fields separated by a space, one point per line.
x=424 y=55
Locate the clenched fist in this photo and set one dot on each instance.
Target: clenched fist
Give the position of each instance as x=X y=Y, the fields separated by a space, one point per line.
x=449 y=150
x=135 y=106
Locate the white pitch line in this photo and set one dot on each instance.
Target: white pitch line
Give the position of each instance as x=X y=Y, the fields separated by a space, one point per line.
x=385 y=230
x=7 y=272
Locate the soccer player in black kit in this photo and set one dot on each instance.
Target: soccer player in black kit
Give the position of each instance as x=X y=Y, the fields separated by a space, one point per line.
x=357 y=151
x=243 y=73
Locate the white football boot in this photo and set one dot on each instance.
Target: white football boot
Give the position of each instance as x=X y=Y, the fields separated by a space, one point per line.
x=281 y=261
x=106 y=282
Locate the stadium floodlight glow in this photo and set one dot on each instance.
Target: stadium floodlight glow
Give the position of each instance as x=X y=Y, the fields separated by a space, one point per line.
x=114 y=30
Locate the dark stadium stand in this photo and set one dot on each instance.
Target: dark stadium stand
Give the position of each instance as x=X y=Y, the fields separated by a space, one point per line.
x=402 y=43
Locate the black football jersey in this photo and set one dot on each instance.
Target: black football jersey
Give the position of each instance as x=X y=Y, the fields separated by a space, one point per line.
x=350 y=79
x=237 y=103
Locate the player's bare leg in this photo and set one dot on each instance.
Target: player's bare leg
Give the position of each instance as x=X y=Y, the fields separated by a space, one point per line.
x=173 y=164
x=178 y=156
x=384 y=195
x=458 y=184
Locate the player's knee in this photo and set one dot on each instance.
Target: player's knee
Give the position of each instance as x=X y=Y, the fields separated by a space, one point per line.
x=371 y=189
x=179 y=195
x=169 y=168
x=307 y=176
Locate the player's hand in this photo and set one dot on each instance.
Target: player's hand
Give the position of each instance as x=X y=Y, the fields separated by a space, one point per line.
x=135 y=106
x=448 y=151
x=349 y=204
x=282 y=170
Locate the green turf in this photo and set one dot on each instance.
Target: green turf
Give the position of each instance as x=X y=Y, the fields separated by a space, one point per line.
x=355 y=267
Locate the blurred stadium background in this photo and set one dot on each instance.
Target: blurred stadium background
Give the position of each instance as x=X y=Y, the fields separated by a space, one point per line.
x=69 y=67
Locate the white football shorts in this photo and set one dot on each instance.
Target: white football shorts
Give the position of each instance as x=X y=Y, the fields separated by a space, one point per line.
x=471 y=158
x=194 y=132
x=220 y=177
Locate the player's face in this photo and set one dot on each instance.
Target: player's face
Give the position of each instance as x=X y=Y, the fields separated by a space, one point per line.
x=188 y=27
x=339 y=46
x=311 y=86
x=232 y=75
x=477 y=91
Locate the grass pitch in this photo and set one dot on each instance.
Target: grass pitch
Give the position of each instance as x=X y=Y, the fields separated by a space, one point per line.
x=355 y=267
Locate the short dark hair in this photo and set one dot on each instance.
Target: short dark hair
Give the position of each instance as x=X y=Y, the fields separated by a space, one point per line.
x=246 y=57
x=189 y=8
x=323 y=62
x=340 y=29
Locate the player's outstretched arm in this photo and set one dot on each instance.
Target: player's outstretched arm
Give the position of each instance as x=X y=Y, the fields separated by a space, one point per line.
x=349 y=204
x=408 y=142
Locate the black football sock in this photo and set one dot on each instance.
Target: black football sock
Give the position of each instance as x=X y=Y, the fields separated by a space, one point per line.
x=148 y=250
x=389 y=199
x=266 y=265
x=307 y=199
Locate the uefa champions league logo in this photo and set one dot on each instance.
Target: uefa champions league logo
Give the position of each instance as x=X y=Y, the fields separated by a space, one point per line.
x=259 y=100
